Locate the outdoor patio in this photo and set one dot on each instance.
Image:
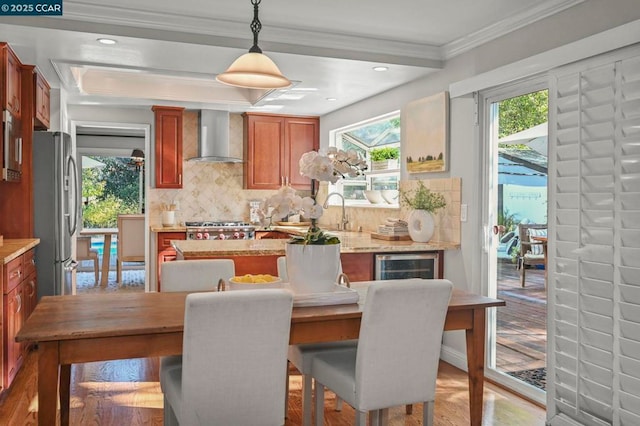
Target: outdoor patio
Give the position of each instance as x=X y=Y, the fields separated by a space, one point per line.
x=522 y=323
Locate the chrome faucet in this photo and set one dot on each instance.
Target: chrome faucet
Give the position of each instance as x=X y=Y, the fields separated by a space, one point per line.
x=342 y=226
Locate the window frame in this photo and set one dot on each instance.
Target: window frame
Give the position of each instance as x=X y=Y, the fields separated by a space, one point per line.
x=336 y=141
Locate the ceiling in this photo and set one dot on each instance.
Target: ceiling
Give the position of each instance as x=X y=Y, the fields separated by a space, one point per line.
x=169 y=52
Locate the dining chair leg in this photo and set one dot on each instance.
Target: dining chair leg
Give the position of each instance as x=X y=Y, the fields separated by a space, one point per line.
x=169 y=416
x=319 y=396
x=286 y=394
x=338 y=403
x=361 y=418
x=383 y=417
x=408 y=409
x=96 y=270
x=307 y=398
x=427 y=413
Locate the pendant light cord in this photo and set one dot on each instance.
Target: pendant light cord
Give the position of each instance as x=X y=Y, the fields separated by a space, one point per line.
x=256 y=26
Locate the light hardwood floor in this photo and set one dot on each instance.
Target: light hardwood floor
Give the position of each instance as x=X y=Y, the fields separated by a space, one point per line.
x=128 y=393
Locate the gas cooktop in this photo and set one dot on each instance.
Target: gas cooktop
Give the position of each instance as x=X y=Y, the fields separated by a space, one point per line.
x=217 y=223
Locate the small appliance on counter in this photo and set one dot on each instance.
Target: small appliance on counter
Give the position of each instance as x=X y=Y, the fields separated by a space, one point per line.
x=220 y=230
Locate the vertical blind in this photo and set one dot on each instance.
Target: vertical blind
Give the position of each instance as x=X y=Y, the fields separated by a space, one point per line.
x=594 y=331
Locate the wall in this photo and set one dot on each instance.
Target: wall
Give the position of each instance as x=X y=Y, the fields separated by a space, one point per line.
x=463 y=266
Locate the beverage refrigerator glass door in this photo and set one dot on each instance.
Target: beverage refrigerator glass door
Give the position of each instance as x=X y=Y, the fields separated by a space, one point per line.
x=406 y=265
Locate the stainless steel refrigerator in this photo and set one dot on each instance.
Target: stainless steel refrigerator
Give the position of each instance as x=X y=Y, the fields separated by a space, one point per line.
x=56 y=205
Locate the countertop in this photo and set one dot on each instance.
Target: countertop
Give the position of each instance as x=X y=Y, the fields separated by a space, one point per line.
x=351 y=242
x=174 y=228
x=14 y=248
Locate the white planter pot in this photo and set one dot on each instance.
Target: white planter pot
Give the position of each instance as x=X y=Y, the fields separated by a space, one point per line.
x=421 y=226
x=312 y=268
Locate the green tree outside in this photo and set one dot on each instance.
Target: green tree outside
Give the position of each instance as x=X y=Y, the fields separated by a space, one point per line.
x=109 y=191
x=523 y=112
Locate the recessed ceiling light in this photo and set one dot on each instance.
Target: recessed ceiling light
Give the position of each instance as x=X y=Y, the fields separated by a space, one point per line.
x=381 y=68
x=107 y=41
x=332 y=99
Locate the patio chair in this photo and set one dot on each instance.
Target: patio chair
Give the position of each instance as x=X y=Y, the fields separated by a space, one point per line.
x=85 y=252
x=531 y=253
x=130 y=241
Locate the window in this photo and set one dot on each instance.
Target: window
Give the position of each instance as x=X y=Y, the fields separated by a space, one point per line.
x=377 y=140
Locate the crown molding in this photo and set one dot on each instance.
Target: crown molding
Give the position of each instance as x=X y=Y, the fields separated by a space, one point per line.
x=537 y=12
x=236 y=35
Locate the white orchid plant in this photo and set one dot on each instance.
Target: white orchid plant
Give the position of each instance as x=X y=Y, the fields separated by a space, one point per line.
x=335 y=164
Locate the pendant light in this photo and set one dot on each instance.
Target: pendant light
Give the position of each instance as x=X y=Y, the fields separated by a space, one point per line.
x=254 y=70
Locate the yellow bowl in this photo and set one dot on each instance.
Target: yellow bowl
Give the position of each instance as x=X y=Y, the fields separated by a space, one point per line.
x=235 y=284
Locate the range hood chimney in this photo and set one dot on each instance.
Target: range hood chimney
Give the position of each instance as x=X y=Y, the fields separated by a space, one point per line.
x=213 y=138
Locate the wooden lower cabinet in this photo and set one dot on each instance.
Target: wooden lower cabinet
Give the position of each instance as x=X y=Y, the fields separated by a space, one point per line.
x=19 y=299
x=357 y=266
x=166 y=252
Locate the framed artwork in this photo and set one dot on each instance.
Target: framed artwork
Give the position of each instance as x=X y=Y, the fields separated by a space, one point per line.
x=426 y=130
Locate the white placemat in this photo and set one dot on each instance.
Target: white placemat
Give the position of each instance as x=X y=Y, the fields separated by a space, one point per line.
x=339 y=296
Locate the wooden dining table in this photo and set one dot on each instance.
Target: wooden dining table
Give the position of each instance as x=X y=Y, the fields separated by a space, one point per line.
x=101 y=327
x=106 y=249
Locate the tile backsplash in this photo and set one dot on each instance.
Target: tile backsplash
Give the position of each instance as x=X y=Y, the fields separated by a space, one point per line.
x=214 y=191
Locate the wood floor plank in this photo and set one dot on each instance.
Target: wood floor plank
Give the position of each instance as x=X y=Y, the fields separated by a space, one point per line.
x=127 y=392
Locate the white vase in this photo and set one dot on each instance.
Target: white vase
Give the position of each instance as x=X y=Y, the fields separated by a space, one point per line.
x=312 y=268
x=421 y=226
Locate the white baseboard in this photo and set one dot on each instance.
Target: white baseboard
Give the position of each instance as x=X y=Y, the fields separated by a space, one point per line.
x=453 y=357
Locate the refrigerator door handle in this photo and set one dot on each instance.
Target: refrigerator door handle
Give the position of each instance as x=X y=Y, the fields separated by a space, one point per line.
x=72 y=171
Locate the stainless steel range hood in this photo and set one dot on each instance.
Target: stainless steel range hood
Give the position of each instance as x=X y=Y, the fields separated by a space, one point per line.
x=213 y=138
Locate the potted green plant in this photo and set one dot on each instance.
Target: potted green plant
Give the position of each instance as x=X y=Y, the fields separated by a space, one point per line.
x=384 y=158
x=424 y=203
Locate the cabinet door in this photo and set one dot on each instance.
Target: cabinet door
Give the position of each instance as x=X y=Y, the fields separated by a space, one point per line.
x=42 y=103
x=30 y=295
x=264 y=152
x=301 y=135
x=168 y=140
x=13 y=83
x=14 y=304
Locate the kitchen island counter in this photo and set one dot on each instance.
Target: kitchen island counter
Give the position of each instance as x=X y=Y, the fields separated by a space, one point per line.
x=351 y=242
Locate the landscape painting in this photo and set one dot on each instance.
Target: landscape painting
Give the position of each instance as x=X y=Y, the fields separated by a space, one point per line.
x=426 y=127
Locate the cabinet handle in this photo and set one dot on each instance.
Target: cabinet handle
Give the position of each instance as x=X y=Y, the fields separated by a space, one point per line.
x=180 y=178
x=32 y=284
x=15 y=274
x=19 y=300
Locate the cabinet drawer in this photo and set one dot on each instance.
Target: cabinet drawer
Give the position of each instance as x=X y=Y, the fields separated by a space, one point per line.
x=29 y=262
x=164 y=239
x=13 y=274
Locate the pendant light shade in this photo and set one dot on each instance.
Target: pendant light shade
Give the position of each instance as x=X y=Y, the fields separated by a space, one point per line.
x=254 y=70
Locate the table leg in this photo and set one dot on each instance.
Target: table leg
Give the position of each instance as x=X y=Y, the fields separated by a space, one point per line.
x=47 y=383
x=65 y=393
x=475 y=365
x=106 y=255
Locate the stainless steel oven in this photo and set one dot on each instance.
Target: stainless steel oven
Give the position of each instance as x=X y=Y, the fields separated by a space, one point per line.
x=220 y=230
x=12 y=148
x=391 y=266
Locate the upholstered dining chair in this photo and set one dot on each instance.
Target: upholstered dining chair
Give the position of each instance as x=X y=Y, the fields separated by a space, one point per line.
x=300 y=356
x=396 y=359
x=232 y=359
x=531 y=252
x=192 y=275
x=130 y=241
x=85 y=252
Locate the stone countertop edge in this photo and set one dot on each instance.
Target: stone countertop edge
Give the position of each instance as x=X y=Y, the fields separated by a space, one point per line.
x=13 y=248
x=361 y=243
x=175 y=228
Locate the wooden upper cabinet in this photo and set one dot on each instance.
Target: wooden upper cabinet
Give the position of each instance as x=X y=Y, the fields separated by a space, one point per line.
x=42 y=102
x=168 y=140
x=301 y=135
x=272 y=149
x=11 y=66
